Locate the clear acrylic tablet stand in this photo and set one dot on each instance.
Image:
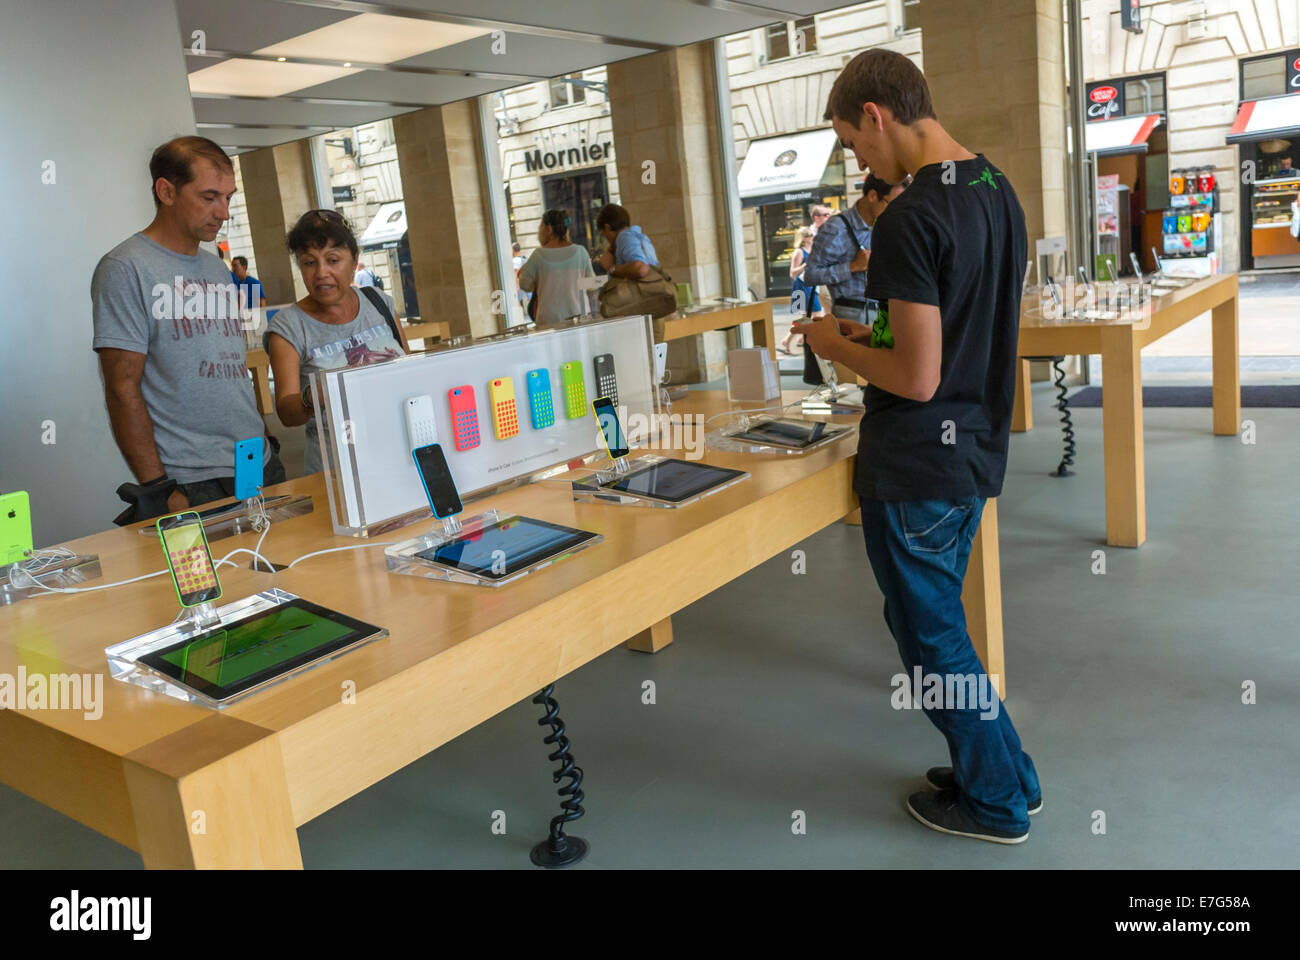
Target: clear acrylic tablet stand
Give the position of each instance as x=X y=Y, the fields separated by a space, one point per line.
x=404 y=557
x=590 y=486
x=725 y=439
x=124 y=658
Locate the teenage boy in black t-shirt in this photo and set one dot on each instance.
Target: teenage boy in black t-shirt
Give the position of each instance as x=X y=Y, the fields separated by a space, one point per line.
x=947 y=263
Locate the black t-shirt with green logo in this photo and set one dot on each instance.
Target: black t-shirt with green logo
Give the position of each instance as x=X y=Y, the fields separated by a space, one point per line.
x=955 y=239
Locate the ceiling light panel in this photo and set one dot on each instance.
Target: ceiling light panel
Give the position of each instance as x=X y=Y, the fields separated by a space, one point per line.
x=374 y=38
x=262 y=78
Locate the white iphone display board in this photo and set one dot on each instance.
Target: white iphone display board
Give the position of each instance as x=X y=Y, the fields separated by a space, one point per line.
x=370 y=473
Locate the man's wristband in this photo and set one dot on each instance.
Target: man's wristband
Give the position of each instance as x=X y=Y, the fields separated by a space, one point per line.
x=157 y=481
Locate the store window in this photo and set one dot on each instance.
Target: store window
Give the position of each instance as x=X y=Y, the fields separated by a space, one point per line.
x=565 y=93
x=790 y=39
x=582 y=194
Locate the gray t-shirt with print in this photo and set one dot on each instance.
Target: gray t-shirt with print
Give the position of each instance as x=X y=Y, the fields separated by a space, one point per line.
x=183 y=313
x=363 y=340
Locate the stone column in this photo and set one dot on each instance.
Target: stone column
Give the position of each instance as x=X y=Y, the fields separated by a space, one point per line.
x=997 y=75
x=278 y=189
x=438 y=152
x=666 y=144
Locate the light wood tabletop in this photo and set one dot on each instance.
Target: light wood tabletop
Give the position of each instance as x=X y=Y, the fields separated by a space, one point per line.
x=191 y=787
x=758 y=315
x=1120 y=345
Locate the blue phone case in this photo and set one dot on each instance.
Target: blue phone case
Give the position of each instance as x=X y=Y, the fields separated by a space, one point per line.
x=541 y=405
x=248 y=468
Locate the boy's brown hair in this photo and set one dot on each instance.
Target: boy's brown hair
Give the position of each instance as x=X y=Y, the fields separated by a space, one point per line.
x=885 y=78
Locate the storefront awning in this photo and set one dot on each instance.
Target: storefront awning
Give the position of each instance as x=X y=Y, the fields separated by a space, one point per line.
x=781 y=169
x=1125 y=135
x=1267 y=119
x=387 y=228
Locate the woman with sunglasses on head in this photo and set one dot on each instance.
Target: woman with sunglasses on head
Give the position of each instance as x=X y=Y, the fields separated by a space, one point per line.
x=335 y=325
x=555 y=271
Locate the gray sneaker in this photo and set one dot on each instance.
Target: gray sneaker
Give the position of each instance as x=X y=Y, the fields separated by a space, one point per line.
x=939 y=810
x=941 y=778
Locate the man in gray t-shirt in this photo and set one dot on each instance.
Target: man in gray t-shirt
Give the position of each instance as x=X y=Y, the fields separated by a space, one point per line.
x=169 y=339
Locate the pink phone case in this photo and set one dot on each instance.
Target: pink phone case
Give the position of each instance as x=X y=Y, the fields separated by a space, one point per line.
x=464 y=417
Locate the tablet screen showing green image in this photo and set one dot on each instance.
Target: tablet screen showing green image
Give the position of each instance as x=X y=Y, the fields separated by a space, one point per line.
x=230 y=659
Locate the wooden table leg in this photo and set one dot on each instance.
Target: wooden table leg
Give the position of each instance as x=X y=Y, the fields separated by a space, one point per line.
x=654 y=639
x=765 y=333
x=1121 y=418
x=1227 y=368
x=1022 y=411
x=261 y=372
x=199 y=804
x=981 y=595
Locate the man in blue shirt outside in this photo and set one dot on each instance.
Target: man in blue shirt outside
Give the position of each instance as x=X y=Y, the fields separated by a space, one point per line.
x=251 y=292
x=842 y=249
x=630 y=253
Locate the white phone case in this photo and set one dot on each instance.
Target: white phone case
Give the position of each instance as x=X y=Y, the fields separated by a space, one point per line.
x=421 y=429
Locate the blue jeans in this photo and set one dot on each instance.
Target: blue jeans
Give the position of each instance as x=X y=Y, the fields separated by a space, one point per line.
x=918 y=551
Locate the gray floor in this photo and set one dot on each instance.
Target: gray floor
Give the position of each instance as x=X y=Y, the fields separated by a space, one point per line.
x=1126 y=689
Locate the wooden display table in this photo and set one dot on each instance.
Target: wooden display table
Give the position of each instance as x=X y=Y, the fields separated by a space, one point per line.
x=456 y=655
x=758 y=315
x=1120 y=345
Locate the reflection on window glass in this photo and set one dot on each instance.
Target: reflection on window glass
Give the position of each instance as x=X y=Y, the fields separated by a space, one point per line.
x=1263 y=78
x=1146 y=95
x=805 y=35
x=564 y=93
x=778 y=41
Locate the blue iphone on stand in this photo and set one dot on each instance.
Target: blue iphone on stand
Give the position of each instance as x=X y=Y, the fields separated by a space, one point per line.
x=248 y=468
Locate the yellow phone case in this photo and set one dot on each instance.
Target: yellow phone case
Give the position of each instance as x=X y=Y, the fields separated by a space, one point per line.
x=505 y=418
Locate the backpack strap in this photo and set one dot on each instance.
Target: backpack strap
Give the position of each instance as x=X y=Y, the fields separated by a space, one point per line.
x=377 y=299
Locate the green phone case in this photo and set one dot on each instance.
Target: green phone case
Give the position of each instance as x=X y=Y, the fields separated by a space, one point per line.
x=575 y=390
x=15 y=527
x=180 y=598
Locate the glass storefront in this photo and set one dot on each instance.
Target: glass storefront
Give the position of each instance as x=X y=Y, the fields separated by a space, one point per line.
x=778 y=223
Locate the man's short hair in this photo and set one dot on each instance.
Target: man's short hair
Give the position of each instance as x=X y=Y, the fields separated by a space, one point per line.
x=241 y=260
x=885 y=78
x=613 y=216
x=873 y=184
x=174 y=162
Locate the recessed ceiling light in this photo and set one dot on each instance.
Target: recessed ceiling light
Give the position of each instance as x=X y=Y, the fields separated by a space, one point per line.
x=375 y=38
x=347 y=64
x=262 y=78
x=281 y=59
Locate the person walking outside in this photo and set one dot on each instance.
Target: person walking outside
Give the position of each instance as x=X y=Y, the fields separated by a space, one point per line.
x=803 y=298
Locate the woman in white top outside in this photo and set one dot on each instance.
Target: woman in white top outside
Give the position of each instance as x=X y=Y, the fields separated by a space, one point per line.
x=555 y=270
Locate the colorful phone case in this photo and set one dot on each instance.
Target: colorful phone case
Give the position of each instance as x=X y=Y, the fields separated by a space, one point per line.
x=15 y=527
x=464 y=417
x=196 y=571
x=540 y=403
x=606 y=383
x=505 y=417
x=575 y=390
x=248 y=468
